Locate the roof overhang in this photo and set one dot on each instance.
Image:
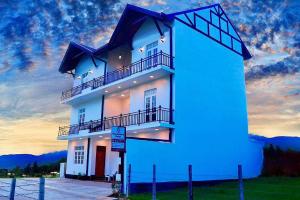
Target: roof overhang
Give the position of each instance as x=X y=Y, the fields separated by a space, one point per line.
x=73 y=55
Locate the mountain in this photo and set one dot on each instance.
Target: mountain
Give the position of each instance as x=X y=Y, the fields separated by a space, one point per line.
x=283 y=142
x=21 y=160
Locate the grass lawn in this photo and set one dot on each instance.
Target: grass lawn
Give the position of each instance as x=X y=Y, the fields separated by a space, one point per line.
x=273 y=188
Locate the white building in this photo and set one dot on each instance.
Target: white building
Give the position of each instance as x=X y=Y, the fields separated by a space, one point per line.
x=176 y=81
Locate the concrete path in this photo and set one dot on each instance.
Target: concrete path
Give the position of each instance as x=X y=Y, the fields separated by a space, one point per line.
x=56 y=189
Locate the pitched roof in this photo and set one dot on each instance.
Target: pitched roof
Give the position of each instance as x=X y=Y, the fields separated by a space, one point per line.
x=131 y=20
x=73 y=55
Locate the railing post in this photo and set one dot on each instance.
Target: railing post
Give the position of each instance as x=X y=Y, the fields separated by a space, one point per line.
x=128 y=181
x=139 y=117
x=12 y=189
x=241 y=185
x=42 y=189
x=191 y=196
x=104 y=119
x=154 y=183
x=120 y=119
x=159 y=113
x=141 y=65
x=161 y=57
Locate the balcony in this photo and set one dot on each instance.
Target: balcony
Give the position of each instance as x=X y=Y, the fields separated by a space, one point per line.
x=157 y=65
x=145 y=119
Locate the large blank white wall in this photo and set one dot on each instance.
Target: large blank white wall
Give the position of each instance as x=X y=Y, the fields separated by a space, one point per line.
x=211 y=117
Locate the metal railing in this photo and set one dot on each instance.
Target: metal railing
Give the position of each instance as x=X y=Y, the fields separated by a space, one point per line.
x=158 y=114
x=144 y=64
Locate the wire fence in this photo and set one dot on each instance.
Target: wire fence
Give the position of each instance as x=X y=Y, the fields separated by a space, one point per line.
x=22 y=188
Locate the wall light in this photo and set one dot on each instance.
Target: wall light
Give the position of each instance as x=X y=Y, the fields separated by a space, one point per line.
x=134 y=82
x=106 y=91
x=119 y=87
x=157 y=129
x=100 y=136
x=151 y=76
x=78 y=77
x=162 y=39
x=91 y=71
x=120 y=57
x=141 y=49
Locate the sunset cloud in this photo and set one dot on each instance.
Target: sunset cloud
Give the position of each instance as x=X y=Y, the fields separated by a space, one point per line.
x=35 y=34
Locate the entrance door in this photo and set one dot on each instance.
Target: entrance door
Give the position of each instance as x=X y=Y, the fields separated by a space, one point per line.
x=100 y=161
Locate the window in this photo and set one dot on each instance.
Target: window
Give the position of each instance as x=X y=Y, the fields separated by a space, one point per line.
x=151 y=50
x=81 y=115
x=79 y=155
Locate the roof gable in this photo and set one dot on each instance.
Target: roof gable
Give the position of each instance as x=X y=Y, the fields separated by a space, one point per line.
x=131 y=20
x=213 y=22
x=73 y=55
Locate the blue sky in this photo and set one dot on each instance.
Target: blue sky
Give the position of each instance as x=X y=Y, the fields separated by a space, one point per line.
x=35 y=34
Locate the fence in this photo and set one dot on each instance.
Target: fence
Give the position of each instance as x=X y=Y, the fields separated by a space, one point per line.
x=22 y=188
x=238 y=192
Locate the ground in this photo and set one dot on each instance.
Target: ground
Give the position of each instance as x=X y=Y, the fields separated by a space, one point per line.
x=66 y=189
x=273 y=188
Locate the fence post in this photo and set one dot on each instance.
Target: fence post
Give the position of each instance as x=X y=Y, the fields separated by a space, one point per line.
x=241 y=186
x=139 y=117
x=191 y=196
x=128 y=181
x=12 y=189
x=42 y=189
x=154 y=183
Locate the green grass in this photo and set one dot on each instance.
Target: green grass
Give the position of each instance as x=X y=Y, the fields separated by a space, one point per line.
x=272 y=188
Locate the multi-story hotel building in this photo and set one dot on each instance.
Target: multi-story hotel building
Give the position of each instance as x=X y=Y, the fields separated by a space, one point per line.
x=176 y=82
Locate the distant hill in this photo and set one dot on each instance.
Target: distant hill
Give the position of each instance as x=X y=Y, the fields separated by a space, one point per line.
x=283 y=142
x=21 y=160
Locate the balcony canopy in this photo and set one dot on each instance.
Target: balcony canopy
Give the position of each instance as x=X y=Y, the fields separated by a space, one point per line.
x=131 y=20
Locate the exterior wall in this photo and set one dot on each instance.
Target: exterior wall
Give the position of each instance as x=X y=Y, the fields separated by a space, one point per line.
x=114 y=62
x=211 y=124
x=112 y=159
x=162 y=95
x=92 y=110
x=115 y=105
x=72 y=168
x=86 y=64
x=147 y=34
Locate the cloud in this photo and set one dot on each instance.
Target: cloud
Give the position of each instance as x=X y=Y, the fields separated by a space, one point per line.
x=290 y=65
x=28 y=29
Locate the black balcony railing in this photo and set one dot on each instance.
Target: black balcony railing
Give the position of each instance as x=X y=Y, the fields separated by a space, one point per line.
x=144 y=64
x=158 y=114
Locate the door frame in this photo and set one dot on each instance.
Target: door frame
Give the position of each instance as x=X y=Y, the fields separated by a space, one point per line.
x=103 y=148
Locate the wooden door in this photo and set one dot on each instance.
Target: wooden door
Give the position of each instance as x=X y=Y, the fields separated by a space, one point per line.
x=100 y=161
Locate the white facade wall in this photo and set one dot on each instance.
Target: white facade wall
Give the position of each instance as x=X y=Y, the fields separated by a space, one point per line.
x=211 y=117
x=72 y=168
x=112 y=159
x=85 y=65
x=147 y=34
x=92 y=110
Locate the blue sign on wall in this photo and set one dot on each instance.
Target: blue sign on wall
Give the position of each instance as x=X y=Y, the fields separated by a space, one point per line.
x=118 y=138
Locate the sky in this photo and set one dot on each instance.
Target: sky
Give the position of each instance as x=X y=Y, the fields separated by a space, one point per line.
x=34 y=36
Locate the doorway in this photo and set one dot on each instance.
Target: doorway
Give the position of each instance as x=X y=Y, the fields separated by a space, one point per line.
x=100 y=161
x=150 y=105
